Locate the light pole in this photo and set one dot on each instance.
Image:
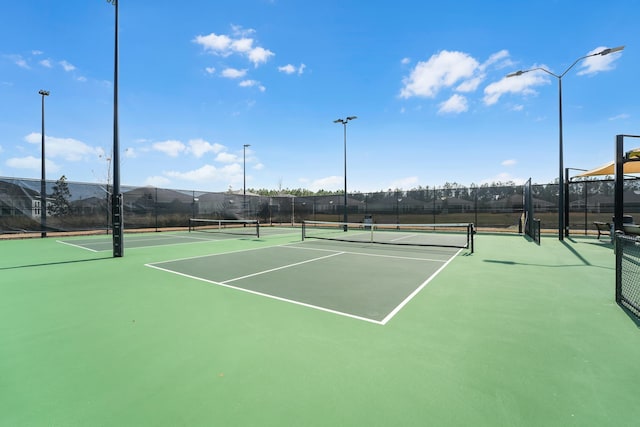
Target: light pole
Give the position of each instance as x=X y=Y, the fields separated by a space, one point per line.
x=116 y=197
x=244 y=178
x=344 y=123
x=43 y=183
x=561 y=225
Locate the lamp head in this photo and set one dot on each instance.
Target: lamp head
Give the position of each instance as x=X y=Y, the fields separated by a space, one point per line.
x=517 y=73
x=351 y=118
x=43 y=92
x=339 y=121
x=610 y=50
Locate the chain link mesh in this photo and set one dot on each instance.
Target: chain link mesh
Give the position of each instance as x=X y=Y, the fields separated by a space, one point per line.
x=628 y=248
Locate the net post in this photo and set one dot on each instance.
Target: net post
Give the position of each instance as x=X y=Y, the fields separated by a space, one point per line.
x=617 y=247
x=471 y=232
x=190 y=222
x=304 y=227
x=258 y=229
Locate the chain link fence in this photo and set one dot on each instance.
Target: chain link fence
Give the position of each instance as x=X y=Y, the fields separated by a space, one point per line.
x=490 y=208
x=628 y=272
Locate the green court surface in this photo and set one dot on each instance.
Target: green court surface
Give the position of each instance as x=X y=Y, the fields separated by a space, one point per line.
x=272 y=331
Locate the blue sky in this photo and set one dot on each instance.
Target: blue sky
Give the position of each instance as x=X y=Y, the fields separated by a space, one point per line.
x=200 y=79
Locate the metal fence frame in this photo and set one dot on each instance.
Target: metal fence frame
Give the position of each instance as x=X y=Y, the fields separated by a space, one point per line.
x=495 y=208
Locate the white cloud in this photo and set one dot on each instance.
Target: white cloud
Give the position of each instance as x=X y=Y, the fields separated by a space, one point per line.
x=209 y=173
x=444 y=69
x=404 y=183
x=455 y=104
x=210 y=70
x=233 y=73
x=509 y=162
x=259 y=55
x=46 y=63
x=28 y=162
x=252 y=83
x=171 y=147
x=19 y=61
x=32 y=163
x=227 y=158
x=225 y=45
x=239 y=31
x=329 y=183
x=618 y=117
x=522 y=84
x=67 y=148
x=456 y=72
x=500 y=59
x=291 y=69
x=503 y=177
x=242 y=45
x=287 y=69
x=157 y=181
x=67 y=66
x=598 y=63
x=214 y=43
x=199 y=147
x=405 y=61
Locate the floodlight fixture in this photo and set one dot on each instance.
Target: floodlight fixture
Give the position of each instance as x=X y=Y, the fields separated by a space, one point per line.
x=344 y=123
x=562 y=215
x=43 y=182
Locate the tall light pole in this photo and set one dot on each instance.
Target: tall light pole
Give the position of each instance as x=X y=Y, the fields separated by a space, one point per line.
x=244 y=178
x=561 y=205
x=43 y=183
x=116 y=197
x=344 y=123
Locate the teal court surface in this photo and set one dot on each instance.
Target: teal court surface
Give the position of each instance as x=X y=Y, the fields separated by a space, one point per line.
x=207 y=329
x=361 y=281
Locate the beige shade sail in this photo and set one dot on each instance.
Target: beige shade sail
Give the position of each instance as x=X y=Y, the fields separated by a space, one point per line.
x=632 y=167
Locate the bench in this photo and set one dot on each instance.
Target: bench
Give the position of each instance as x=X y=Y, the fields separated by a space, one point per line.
x=603 y=228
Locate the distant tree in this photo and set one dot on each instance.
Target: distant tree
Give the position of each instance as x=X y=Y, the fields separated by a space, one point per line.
x=60 y=205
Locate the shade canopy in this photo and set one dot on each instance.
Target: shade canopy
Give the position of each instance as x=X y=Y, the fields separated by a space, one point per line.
x=632 y=167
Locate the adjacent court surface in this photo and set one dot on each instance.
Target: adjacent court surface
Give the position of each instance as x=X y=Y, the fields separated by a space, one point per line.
x=205 y=329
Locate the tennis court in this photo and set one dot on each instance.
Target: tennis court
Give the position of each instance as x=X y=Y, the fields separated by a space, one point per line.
x=355 y=280
x=276 y=331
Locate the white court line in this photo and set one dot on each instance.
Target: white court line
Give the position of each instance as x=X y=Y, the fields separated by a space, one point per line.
x=291 y=246
x=283 y=267
x=208 y=255
x=383 y=322
x=262 y=294
x=416 y=291
x=408 y=236
x=148 y=239
x=77 y=246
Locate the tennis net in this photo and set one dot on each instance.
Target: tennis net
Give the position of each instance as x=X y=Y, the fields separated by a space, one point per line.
x=443 y=235
x=247 y=227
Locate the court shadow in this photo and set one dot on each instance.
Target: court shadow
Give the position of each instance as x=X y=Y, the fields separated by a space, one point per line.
x=46 y=264
x=634 y=318
x=505 y=262
x=601 y=243
x=576 y=253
